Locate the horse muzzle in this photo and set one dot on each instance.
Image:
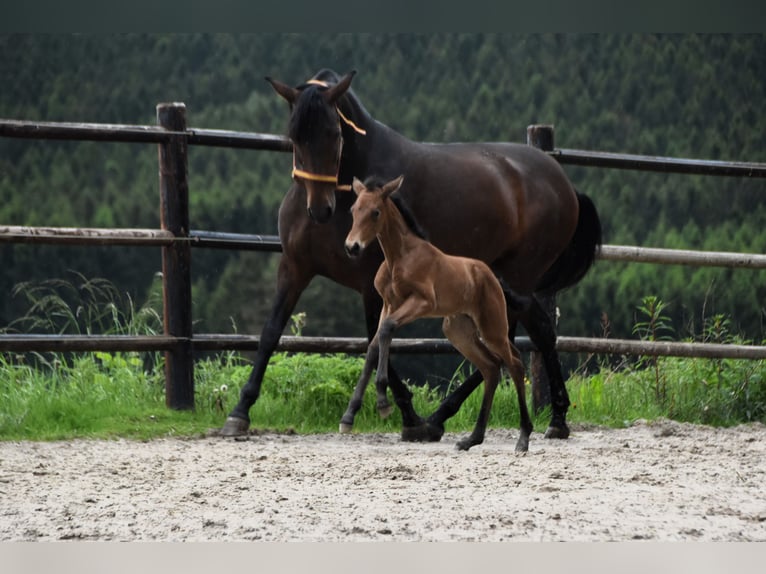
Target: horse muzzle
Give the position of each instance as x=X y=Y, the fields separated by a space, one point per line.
x=353 y=249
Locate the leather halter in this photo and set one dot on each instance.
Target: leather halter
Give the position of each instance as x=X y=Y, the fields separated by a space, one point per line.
x=307 y=175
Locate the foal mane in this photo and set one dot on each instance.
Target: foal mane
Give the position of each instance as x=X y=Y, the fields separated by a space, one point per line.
x=374 y=182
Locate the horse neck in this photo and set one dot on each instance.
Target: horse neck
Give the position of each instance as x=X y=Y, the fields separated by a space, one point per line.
x=395 y=237
x=380 y=151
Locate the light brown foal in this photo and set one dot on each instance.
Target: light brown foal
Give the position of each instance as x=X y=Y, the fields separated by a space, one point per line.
x=418 y=280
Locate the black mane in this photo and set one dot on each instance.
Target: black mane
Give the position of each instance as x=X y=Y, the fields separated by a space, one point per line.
x=310 y=112
x=375 y=182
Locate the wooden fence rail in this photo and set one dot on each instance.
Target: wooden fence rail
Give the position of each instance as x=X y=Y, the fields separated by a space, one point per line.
x=179 y=343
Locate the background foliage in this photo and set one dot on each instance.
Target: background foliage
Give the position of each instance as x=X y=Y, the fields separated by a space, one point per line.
x=695 y=96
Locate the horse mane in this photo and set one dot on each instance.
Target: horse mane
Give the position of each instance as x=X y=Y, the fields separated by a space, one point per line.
x=375 y=182
x=308 y=108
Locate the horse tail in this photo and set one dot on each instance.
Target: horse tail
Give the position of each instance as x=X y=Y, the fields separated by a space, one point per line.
x=579 y=255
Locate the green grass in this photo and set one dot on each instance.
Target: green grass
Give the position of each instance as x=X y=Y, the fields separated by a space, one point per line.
x=108 y=395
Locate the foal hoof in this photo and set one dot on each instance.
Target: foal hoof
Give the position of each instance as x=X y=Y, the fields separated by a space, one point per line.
x=557 y=432
x=345 y=428
x=385 y=411
x=423 y=433
x=522 y=445
x=235 y=426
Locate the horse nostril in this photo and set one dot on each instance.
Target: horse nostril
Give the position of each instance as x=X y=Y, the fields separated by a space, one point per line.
x=352 y=250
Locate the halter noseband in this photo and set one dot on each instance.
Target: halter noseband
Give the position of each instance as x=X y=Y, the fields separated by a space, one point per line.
x=307 y=175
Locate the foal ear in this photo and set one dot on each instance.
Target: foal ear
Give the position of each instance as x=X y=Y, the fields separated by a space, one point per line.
x=357 y=186
x=334 y=93
x=392 y=186
x=287 y=92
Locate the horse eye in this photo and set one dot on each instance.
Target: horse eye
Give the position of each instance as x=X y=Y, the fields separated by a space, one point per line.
x=375 y=214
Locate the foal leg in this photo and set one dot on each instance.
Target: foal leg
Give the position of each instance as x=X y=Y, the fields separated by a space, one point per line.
x=452 y=403
x=372 y=312
x=347 y=420
x=373 y=305
x=462 y=333
x=414 y=428
x=512 y=360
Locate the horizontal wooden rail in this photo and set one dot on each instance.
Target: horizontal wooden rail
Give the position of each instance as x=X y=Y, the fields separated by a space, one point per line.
x=84 y=235
x=263 y=141
x=222 y=240
x=658 y=164
x=352 y=345
x=12 y=343
x=682 y=257
x=358 y=345
x=141 y=134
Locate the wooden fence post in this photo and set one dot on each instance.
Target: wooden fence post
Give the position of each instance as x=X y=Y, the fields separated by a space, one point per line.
x=541 y=136
x=176 y=258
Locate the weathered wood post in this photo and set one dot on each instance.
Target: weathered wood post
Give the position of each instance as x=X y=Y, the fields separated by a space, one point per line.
x=541 y=136
x=176 y=258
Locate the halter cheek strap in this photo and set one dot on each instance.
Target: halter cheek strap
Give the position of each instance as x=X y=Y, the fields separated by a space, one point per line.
x=307 y=175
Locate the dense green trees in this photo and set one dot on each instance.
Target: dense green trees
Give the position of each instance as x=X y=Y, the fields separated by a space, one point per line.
x=679 y=95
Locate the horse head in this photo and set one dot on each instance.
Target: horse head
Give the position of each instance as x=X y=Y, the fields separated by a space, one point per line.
x=317 y=138
x=367 y=213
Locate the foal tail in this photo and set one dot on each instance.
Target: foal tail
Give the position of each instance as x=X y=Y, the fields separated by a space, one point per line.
x=578 y=257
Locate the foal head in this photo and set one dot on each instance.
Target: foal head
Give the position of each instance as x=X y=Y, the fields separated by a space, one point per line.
x=369 y=212
x=315 y=132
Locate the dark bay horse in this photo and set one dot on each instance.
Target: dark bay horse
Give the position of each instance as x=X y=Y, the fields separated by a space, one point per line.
x=509 y=205
x=417 y=280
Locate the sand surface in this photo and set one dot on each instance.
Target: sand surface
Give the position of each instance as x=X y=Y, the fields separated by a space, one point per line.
x=660 y=481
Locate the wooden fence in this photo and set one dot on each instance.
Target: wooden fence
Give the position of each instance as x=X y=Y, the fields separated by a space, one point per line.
x=176 y=240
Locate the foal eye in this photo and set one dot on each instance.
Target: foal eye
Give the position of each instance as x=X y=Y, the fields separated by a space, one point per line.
x=375 y=214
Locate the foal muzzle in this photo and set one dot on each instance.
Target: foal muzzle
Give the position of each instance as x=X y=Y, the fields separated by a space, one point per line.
x=353 y=249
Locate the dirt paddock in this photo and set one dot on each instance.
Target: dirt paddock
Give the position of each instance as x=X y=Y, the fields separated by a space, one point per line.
x=662 y=481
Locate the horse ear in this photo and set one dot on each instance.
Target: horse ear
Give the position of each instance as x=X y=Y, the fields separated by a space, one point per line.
x=287 y=92
x=334 y=93
x=357 y=186
x=393 y=186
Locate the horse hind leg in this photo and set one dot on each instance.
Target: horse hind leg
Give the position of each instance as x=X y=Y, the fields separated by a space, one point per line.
x=541 y=329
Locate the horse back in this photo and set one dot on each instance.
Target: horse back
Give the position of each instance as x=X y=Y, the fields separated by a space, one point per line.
x=497 y=202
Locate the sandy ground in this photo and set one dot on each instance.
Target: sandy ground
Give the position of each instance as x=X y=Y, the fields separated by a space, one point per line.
x=659 y=481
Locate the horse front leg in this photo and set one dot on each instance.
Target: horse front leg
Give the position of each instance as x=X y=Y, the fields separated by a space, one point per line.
x=289 y=288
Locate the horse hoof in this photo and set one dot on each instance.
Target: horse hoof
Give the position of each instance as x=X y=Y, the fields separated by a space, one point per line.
x=522 y=445
x=423 y=433
x=235 y=426
x=345 y=428
x=464 y=444
x=385 y=411
x=557 y=432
